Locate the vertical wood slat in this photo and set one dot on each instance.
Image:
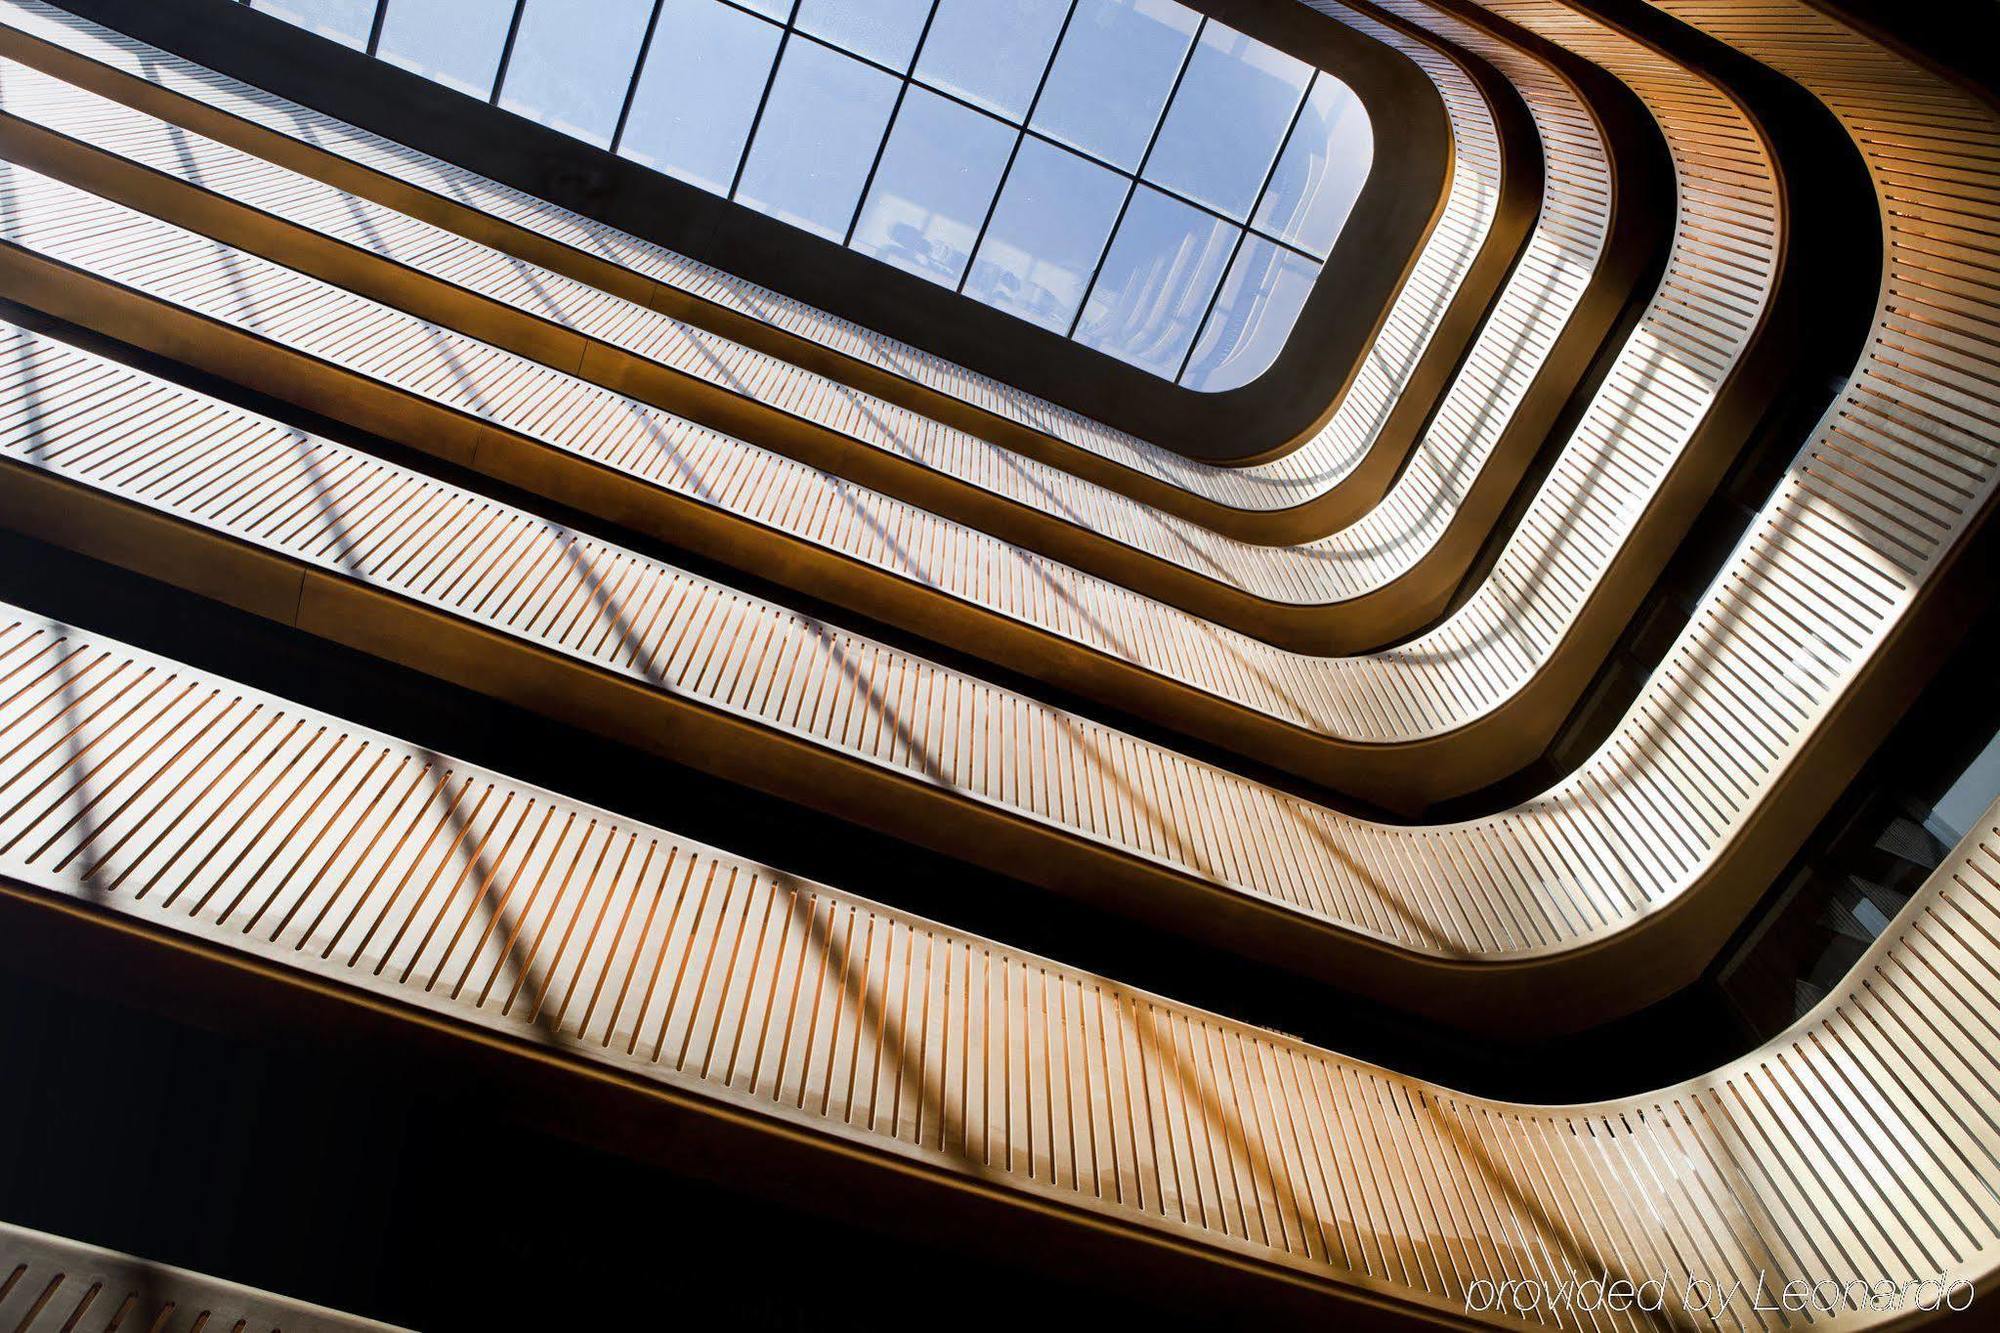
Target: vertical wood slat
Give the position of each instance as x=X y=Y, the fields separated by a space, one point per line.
x=1426 y=689
x=49 y=1284
x=186 y=804
x=1285 y=482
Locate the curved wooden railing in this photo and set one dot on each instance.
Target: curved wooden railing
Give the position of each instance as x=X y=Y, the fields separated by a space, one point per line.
x=1396 y=728
x=1253 y=500
x=1856 y=1154
x=52 y=1285
x=1608 y=890
x=1498 y=413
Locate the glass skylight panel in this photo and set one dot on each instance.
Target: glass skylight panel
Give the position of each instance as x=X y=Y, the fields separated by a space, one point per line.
x=1228 y=117
x=873 y=130
x=1111 y=77
x=1260 y=301
x=345 y=21
x=453 y=42
x=697 y=96
x=885 y=31
x=1322 y=171
x=932 y=189
x=571 y=74
x=991 y=52
x=1959 y=807
x=1154 y=287
x=817 y=138
x=1046 y=235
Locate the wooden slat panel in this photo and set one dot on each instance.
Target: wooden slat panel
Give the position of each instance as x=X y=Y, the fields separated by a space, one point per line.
x=1304 y=473
x=1575 y=879
x=1431 y=689
x=52 y=1285
x=1249 y=586
x=1843 y=1150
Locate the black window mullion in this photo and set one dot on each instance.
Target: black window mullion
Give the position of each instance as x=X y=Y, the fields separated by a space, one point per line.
x=757 y=121
x=1138 y=174
x=506 y=52
x=1214 y=299
x=1306 y=255
x=632 y=88
x=1104 y=250
x=1173 y=194
x=1284 y=144
x=1160 y=121
x=895 y=114
x=1135 y=178
x=1006 y=172
x=941 y=94
x=1049 y=65
x=875 y=165
x=969 y=105
x=1270 y=172
x=758 y=14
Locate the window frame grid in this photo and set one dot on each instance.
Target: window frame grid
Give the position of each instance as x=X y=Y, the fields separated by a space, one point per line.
x=1023 y=130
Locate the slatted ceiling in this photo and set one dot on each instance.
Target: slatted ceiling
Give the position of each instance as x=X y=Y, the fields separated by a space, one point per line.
x=1331 y=697
x=52 y=1285
x=1370 y=557
x=1299 y=476
x=1861 y=1142
x=1690 y=337
x=889 y=531
x=887 y=426
x=1623 y=832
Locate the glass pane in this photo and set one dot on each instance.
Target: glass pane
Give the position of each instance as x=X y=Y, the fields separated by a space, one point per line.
x=345 y=21
x=1112 y=76
x=780 y=10
x=1322 y=170
x=1046 y=234
x=885 y=31
x=1260 y=301
x=455 y=42
x=818 y=138
x=705 y=73
x=1968 y=796
x=572 y=75
x=1227 y=120
x=930 y=194
x=991 y=52
x=1156 y=281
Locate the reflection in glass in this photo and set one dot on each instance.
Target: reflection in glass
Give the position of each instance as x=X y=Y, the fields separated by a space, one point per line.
x=991 y=52
x=454 y=42
x=572 y=75
x=705 y=73
x=345 y=21
x=1260 y=301
x=1047 y=232
x=933 y=186
x=1155 y=283
x=884 y=31
x=817 y=138
x=1113 y=74
x=1322 y=170
x=1968 y=796
x=1227 y=119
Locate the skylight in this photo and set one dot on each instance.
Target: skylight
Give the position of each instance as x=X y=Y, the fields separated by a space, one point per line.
x=1127 y=173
